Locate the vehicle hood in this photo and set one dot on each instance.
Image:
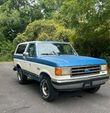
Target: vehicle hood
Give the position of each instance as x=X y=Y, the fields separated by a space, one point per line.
x=70 y=60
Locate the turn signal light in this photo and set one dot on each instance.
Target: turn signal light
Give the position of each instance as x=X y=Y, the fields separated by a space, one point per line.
x=58 y=71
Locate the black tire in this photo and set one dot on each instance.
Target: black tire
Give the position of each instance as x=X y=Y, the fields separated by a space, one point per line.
x=48 y=92
x=92 y=90
x=22 y=79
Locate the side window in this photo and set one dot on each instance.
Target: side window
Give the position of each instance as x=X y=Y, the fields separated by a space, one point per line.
x=21 y=49
x=32 y=50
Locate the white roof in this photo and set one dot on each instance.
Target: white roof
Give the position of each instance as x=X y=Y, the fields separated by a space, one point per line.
x=44 y=42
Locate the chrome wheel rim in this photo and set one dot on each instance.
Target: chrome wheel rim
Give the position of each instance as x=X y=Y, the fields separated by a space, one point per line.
x=19 y=76
x=45 y=89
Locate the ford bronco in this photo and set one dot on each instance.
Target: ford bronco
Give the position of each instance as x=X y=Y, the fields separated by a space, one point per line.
x=57 y=66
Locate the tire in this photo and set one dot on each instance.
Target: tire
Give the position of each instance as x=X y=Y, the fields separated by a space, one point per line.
x=47 y=91
x=92 y=90
x=22 y=79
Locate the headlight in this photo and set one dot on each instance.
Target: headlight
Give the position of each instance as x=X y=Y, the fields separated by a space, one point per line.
x=66 y=71
x=62 y=71
x=104 y=67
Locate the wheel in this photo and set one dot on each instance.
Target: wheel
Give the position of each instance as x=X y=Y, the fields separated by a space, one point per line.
x=92 y=90
x=22 y=79
x=48 y=92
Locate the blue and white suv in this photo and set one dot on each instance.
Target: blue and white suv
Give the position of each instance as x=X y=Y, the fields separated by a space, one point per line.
x=57 y=66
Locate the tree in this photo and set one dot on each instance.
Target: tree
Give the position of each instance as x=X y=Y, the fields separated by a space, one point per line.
x=86 y=23
x=45 y=30
x=50 y=7
x=15 y=15
x=91 y=19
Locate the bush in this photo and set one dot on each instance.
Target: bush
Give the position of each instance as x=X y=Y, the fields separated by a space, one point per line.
x=6 y=57
x=7 y=48
x=95 y=46
x=45 y=30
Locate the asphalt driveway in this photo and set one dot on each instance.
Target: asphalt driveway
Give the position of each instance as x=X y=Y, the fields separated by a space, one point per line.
x=16 y=98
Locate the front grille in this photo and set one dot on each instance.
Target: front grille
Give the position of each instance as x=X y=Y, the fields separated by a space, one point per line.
x=85 y=70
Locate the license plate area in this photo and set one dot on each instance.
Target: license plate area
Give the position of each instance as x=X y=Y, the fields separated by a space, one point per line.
x=87 y=84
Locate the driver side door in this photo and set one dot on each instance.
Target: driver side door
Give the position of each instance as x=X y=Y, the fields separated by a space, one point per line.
x=31 y=58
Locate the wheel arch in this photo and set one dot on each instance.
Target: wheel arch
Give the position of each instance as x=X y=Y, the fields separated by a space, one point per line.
x=18 y=66
x=44 y=74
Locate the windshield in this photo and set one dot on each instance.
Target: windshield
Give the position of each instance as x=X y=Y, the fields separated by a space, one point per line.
x=55 y=49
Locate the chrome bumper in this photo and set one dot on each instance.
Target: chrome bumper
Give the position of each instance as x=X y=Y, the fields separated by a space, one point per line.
x=80 y=83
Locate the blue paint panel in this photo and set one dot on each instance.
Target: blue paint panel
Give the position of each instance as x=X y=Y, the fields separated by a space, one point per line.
x=64 y=60
x=72 y=60
x=37 y=60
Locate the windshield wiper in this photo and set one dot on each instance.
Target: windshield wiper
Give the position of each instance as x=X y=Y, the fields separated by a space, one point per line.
x=56 y=53
x=47 y=54
x=52 y=53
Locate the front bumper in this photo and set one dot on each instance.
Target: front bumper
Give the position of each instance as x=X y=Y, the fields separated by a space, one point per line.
x=80 y=83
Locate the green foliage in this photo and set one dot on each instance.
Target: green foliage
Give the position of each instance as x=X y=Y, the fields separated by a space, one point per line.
x=49 y=7
x=6 y=57
x=6 y=49
x=15 y=15
x=91 y=19
x=45 y=30
x=85 y=23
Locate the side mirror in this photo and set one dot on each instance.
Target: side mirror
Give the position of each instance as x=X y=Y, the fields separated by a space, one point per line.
x=25 y=54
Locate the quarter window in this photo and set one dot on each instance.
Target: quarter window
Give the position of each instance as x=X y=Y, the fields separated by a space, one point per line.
x=21 y=49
